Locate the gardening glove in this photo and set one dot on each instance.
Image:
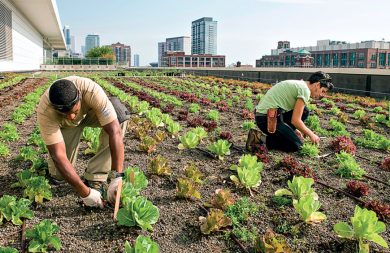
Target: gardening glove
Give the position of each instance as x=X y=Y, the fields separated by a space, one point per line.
x=94 y=199
x=112 y=189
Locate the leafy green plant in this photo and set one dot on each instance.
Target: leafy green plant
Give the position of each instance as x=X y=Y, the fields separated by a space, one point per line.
x=214 y=221
x=377 y=109
x=298 y=187
x=373 y=140
x=143 y=244
x=193 y=173
x=380 y=118
x=14 y=210
x=173 y=128
x=213 y=115
x=309 y=149
x=4 y=150
x=8 y=250
x=156 y=121
x=189 y=141
x=307 y=208
x=37 y=189
x=241 y=210
x=23 y=176
x=194 y=108
x=358 y=114
x=9 y=132
x=42 y=238
x=249 y=105
x=272 y=243
x=159 y=166
x=248 y=172
x=348 y=167
x=365 y=227
x=186 y=188
x=221 y=148
x=200 y=132
x=148 y=144
x=248 y=125
x=313 y=122
x=221 y=200
x=134 y=182
x=338 y=128
x=91 y=135
x=139 y=212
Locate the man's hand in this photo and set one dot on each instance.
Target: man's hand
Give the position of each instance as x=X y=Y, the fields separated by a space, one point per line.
x=314 y=138
x=300 y=135
x=94 y=199
x=112 y=189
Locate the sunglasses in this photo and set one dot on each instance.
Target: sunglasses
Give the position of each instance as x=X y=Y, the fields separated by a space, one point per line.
x=68 y=107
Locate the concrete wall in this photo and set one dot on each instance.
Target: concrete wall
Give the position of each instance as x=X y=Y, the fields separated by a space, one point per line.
x=356 y=81
x=27 y=44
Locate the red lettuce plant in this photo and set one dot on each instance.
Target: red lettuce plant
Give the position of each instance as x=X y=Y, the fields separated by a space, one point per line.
x=357 y=188
x=246 y=114
x=210 y=125
x=385 y=164
x=381 y=209
x=295 y=168
x=195 y=122
x=343 y=143
x=226 y=136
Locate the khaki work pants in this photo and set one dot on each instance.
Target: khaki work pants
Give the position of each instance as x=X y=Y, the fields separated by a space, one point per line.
x=99 y=165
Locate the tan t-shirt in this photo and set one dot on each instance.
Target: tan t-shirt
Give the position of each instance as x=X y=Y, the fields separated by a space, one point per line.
x=93 y=100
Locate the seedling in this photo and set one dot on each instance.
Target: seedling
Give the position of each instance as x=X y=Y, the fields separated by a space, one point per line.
x=142 y=244
x=42 y=237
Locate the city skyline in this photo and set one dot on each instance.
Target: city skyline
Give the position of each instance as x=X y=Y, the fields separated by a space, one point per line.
x=247 y=29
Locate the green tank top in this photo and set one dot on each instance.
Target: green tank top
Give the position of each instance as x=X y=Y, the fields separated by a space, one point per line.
x=284 y=95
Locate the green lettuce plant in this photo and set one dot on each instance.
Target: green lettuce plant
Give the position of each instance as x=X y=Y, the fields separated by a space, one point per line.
x=8 y=250
x=143 y=244
x=213 y=115
x=358 y=114
x=193 y=173
x=9 y=132
x=173 y=128
x=189 y=141
x=14 y=210
x=309 y=149
x=365 y=227
x=139 y=212
x=187 y=188
x=200 y=132
x=159 y=166
x=42 y=238
x=221 y=148
x=194 y=108
x=338 y=128
x=134 y=182
x=307 y=208
x=373 y=140
x=4 y=150
x=214 y=221
x=348 y=167
x=37 y=189
x=298 y=187
x=248 y=172
x=248 y=125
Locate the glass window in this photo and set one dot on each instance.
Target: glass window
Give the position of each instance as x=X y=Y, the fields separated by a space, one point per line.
x=343 y=59
x=327 y=59
x=373 y=56
x=352 y=59
x=335 y=60
x=361 y=56
x=382 y=59
x=388 y=59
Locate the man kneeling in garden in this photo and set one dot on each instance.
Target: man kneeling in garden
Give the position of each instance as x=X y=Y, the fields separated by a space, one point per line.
x=64 y=110
x=282 y=111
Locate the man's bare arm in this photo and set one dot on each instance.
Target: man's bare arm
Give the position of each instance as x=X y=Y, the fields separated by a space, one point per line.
x=114 y=132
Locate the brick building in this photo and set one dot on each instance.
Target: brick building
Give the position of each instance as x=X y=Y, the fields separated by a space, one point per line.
x=331 y=54
x=122 y=54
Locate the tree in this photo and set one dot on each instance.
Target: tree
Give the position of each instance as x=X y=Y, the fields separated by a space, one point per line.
x=102 y=52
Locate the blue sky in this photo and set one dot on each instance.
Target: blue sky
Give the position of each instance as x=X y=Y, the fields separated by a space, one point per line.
x=247 y=29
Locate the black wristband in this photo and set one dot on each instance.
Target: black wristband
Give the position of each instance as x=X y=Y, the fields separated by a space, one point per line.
x=119 y=174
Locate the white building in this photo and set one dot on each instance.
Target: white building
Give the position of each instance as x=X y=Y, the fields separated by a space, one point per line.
x=182 y=44
x=91 y=41
x=29 y=32
x=136 y=60
x=204 y=36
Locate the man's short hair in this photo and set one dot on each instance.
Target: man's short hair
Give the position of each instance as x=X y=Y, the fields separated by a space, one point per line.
x=62 y=92
x=322 y=77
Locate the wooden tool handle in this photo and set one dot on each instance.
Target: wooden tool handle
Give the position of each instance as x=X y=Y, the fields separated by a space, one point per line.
x=117 y=199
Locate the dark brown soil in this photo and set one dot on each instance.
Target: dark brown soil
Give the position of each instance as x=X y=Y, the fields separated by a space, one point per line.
x=92 y=230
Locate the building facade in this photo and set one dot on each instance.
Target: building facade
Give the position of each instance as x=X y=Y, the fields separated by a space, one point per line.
x=333 y=54
x=29 y=33
x=68 y=39
x=91 y=41
x=122 y=54
x=204 y=36
x=180 y=59
x=161 y=52
x=182 y=44
x=136 y=60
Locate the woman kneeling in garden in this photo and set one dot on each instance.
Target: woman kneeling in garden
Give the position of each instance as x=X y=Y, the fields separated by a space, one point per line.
x=282 y=111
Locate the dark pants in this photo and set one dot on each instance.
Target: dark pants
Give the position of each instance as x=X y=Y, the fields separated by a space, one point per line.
x=284 y=138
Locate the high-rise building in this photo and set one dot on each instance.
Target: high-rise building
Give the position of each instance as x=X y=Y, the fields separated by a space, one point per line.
x=182 y=44
x=161 y=52
x=122 y=54
x=73 y=44
x=68 y=40
x=91 y=41
x=136 y=60
x=204 y=36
